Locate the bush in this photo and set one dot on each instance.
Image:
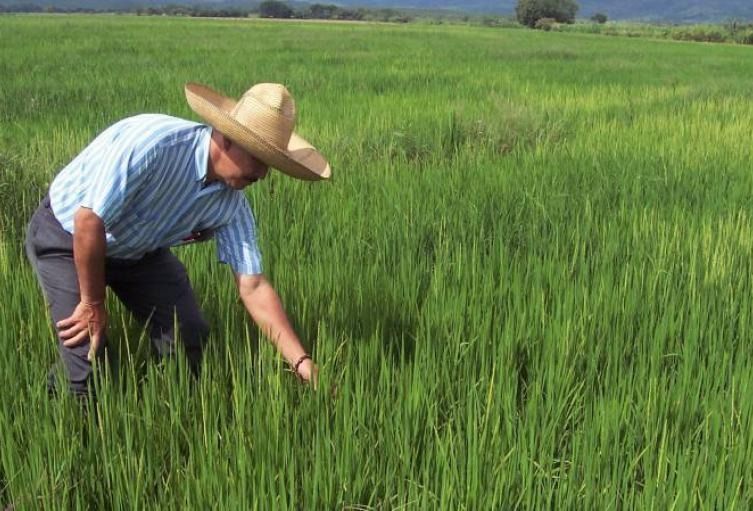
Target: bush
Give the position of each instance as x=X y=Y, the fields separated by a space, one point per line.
x=699 y=35
x=744 y=38
x=490 y=21
x=350 y=14
x=275 y=9
x=599 y=17
x=529 y=12
x=321 y=12
x=546 y=24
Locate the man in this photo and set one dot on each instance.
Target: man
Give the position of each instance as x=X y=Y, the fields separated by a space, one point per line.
x=150 y=182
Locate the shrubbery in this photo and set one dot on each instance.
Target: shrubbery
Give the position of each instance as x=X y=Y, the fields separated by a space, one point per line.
x=529 y=12
x=546 y=24
x=699 y=35
x=740 y=33
x=275 y=9
x=744 y=37
x=266 y=9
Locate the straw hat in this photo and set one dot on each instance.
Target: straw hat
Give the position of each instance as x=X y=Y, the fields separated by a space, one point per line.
x=262 y=122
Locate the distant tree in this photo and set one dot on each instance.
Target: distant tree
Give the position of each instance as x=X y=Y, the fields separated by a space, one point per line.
x=275 y=9
x=599 y=17
x=350 y=14
x=529 y=12
x=322 y=12
x=386 y=14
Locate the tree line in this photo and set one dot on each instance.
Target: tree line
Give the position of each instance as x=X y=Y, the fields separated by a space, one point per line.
x=528 y=12
x=266 y=9
x=277 y=9
x=531 y=13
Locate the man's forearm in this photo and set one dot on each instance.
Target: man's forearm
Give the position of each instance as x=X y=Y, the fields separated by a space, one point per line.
x=264 y=306
x=89 y=249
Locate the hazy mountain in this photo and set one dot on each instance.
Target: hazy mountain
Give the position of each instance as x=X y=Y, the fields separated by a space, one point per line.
x=651 y=10
x=671 y=10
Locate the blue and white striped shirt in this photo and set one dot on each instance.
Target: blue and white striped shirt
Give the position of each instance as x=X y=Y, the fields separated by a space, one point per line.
x=145 y=177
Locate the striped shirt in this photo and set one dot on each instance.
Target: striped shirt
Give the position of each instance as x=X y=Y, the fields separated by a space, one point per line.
x=145 y=178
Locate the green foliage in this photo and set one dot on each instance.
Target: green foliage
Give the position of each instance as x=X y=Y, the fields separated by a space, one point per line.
x=699 y=35
x=599 y=17
x=744 y=37
x=496 y=21
x=529 y=12
x=331 y=12
x=528 y=284
x=734 y=32
x=321 y=11
x=546 y=24
x=275 y=9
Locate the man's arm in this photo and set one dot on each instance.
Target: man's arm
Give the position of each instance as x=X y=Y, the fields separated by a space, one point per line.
x=89 y=318
x=264 y=306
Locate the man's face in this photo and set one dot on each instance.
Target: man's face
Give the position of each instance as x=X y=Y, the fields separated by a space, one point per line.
x=238 y=168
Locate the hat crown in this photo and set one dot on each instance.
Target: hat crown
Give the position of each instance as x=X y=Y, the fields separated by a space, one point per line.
x=262 y=123
x=269 y=110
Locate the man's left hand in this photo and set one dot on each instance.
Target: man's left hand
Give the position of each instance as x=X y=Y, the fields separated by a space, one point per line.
x=88 y=320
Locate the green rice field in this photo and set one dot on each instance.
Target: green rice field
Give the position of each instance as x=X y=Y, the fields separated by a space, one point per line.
x=527 y=285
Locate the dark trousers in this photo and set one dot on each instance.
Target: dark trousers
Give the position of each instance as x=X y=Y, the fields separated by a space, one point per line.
x=154 y=288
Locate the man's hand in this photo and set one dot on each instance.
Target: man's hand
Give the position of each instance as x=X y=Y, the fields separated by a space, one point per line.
x=308 y=372
x=88 y=320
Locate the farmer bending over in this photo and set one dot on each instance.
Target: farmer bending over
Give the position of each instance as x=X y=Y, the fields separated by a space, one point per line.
x=151 y=182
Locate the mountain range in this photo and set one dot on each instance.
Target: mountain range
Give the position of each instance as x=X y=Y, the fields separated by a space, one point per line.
x=683 y=11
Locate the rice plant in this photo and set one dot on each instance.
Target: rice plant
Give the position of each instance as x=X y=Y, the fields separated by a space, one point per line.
x=527 y=285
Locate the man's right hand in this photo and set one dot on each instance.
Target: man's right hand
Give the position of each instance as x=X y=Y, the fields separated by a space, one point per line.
x=309 y=373
x=87 y=321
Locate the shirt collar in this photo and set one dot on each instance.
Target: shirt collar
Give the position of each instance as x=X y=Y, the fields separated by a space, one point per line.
x=202 y=153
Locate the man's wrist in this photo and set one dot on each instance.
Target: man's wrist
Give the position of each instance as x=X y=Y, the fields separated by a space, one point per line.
x=303 y=367
x=86 y=300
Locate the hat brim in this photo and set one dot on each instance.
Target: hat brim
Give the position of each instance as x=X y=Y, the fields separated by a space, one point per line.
x=299 y=160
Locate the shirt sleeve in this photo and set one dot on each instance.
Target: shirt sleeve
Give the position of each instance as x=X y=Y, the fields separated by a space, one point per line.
x=116 y=176
x=236 y=242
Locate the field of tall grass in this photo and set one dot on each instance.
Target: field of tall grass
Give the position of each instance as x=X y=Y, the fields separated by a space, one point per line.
x=730 y=32
x=528 y=284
